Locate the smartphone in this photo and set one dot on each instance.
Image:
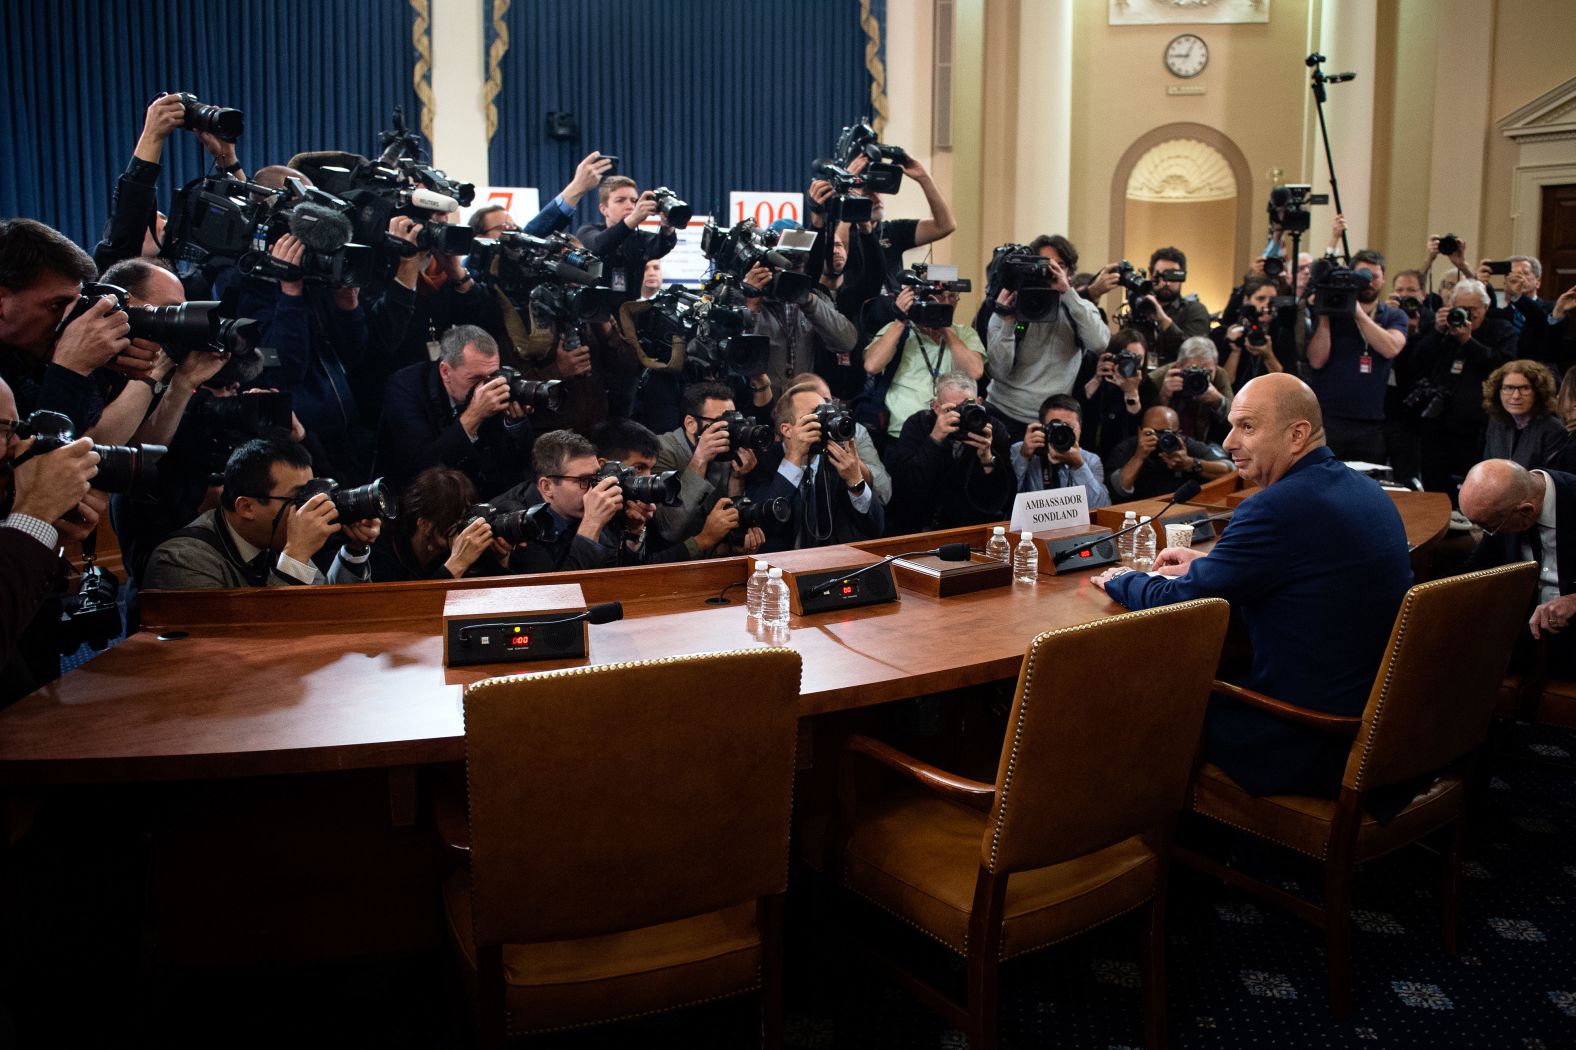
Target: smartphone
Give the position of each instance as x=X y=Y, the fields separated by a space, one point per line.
x=1499 y=268
x=613 y=169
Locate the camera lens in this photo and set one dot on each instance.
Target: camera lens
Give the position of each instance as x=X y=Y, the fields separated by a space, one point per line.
x=1168 y=441
x=742 y=433
x=126 y=468
x=661 y=489
x=1457 y=318
x=754 y=515
x=1059 y=435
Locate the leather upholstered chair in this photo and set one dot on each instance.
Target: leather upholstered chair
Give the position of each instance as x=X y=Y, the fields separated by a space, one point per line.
x=1426 y=719
x=1076 y=829
x=628 y=840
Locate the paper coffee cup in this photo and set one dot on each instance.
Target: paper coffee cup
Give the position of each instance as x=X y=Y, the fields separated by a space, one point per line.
x=1179 y=535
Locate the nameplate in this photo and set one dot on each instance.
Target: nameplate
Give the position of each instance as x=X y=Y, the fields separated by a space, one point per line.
x=1066 y=508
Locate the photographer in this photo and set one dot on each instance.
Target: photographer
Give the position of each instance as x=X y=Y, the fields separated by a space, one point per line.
x=431 y=540
x=1349 y=360
x=258 y=515
x=1197 y=387
x=1408 y=296
x=47 y=500
x=456 y=412
x=1456 y=359
x=1114 y=391
x=1159 y=458
x=821 y=475
x=949 y=465
x=620 y=243
x=1029 y=361
x=1049 y=456
x=801 y=333
x=712 y=468
x=1523 y=308
x=1178 y=317
x=910 y=358
x=41 y=275
x=1251 y=342
x=594 y=527
x=135 y=228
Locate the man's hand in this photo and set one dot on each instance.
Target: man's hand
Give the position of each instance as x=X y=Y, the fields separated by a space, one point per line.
x=1059 y=278
x=289 y=250
x=1179 y=461
x=1442 y=319
x=487 y=400
x=1517 y=284
x=1073 y=457
x=309 y=526
x=1565 y=304
x=1213 y=397
x=1484 y=274
x=1161 y=317
x=95 y=339
x=821 y=191
x=636 y=514
x=980 y=443
x=804 y=435
x=166 y=115
x=49 y=485
x=602 y=501
x=754 y=540
x=744 y=461
x=1103 y=281
x=645 y=207
x=468 y=545
x=1148 y=441
x=723 y=519
x=1337 y=228
x=846 y=462
x=1174 y=561
x=222 y=152
x=140 y=361
x=1033 y=441
x=1462 y=335
x=1006 y=303
x=1108 y=575
x=759 y=278
x=1171 y=385
x=946 y=424
x=571 y=363
x=198 y=367
x=588 y=175
x=362 y=534
x=710 y=444
x=904 y=300
x=81 y=521
x=1552 y=617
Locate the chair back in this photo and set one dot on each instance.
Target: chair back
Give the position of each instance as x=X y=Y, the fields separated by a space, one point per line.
x=611 y=798
x=1103 y=733
x=1434 y=694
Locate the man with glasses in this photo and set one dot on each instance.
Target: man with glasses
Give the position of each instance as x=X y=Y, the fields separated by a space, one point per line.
x=1178 y=317
x=1521 y=512
x=262 y=534
x=584 y=507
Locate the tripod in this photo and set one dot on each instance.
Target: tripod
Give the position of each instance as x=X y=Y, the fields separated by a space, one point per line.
x=1320 y=79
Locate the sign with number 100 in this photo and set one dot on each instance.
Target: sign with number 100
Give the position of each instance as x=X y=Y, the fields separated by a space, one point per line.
x=764 y=208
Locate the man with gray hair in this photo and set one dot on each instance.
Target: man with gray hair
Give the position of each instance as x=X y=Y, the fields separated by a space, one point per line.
x=1197 y=388
x=456 y=412
x=1528 y=313
x=950 y=463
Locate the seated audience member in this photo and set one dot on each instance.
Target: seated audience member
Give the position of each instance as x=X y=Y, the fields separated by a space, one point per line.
x=1455 y=359
x=1180 y=317
x=1114 y=390
x=452 y=413
x=1253 y=345
x=594 y=528
x=1529 y=515
x=711 y=470
x=1040 y=464
x=1045 y=357
x=1159 y=458
x=1316 y=566
x=259 y=536
x=944 y=475
x=1522 y=425
x=715 y=533
x=431 y=539
x=864 y=444
x=1349 y=360
x=832 y=499
x=1197 y=387
x=909 y=359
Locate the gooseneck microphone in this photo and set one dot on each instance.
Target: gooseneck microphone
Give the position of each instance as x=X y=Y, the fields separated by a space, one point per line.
x=946 y=552
x=1183 y=494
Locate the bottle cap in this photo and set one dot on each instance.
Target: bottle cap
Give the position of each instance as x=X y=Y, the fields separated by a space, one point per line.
x=775 y=573
x=1025 y=535
x=999 y=530
x=1144 y=519
x=761 y=566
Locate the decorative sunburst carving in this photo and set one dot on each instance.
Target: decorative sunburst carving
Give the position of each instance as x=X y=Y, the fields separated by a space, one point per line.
x=1182 y=170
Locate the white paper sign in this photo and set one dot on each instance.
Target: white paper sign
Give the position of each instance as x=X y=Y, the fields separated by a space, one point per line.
x=521 y=202
x=685 y=264
x=764 y=208
x=1049 y=509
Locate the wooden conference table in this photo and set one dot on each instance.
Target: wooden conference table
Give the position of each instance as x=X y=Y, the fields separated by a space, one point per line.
x=224 y=684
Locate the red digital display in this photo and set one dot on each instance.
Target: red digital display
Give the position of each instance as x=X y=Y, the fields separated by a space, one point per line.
x=520 y=641
x=848 y=589
x=1085 y=554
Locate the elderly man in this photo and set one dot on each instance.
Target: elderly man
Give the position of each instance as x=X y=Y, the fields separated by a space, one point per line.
x=1519 y=511
x=1197 y=387
x=950 y=465
x=1316 y=564
x=1160 y=457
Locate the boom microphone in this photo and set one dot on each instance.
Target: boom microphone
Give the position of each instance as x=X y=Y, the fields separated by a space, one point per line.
x=946 y=552
x=319 y=228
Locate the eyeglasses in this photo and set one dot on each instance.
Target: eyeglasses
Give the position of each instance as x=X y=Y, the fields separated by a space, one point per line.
x=8 y=428
x=585 y=481
x=269 y=499
x=1515 y=388
x=1500 y=524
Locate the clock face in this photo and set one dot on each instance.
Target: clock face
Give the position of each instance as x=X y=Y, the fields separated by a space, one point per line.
x=1187 y=55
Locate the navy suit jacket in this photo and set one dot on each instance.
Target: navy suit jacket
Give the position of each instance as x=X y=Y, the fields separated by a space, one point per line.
x=1316 y=565
x=847 y=525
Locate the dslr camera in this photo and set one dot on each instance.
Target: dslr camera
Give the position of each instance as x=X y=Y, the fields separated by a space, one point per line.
x=1410 y=305
x=221 y=123
x=1336 y=287
x=1195 y=381
x=544 y=394
x=522 y=525
x=91 y=617
x=884 y=168
x=375 y=499
x=1449 y=245
x=738 y=249
x=674 y=210
x=185 y=328
x=1016 y=268
x=744 y=432
x=1169 y=441
x=837 y=424
x=661 y=489
x=121 y=469
x=760 y=514
x=1253 y=332
x=1288 y=207
x=1059 y=437
x=929 y=282
x=972 y=418
x=1128 y=363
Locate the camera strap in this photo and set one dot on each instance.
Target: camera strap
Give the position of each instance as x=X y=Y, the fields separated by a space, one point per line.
x=933 y=367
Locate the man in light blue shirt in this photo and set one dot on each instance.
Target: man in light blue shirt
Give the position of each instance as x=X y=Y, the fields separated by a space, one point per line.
x=1041 y=465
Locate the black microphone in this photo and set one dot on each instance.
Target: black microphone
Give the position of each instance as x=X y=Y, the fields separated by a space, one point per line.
x=946 y=552
x=1186 y=491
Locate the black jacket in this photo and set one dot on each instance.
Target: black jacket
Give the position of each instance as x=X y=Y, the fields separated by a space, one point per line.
x=1491 y=345
x=1505 y=548
x=834 y=521
x=421 y=429
x=625 y=251
x=941 y=486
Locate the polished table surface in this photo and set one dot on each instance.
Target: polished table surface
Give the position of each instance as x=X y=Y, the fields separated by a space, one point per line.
x=295 y=680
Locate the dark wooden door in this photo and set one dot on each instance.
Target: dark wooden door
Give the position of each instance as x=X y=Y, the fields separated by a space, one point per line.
x=1557 y=240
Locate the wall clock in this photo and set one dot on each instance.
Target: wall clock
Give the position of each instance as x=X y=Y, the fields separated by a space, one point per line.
x=1187 y=55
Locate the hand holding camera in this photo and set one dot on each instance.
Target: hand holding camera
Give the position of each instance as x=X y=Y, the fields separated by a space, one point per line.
x=644 y=209
x=166 y=115
x=904 y=300
x=1148 y=442
x=711 y=443
x=469 y=544
x=802 y=439
x=94 y=339
x=1033 y=442
x=846 y=462
x=572 y=362
x=723 y=519
x=49 y=486
x=488 y=398
x=309 y=526
x=589 y=174
x=1107 y=279
x=946 y=425
x=602 y=501
x=360 y=535
x=290 y=251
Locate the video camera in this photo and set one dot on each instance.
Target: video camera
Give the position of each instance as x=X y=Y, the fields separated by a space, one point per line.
x=1288 y=207
x=738 y=249
x=121 y=468
x=928 y=282
x=524 y=525
x=1336 y=287
x=714 y=324
x=186 y=328
x=846 y=205
x=884 y=168
x=1019 y=269
x=661 y=489
x=375 y=499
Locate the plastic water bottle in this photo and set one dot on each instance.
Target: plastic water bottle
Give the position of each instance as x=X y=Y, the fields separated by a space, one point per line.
x=774 y=600
x=1125 y=543
x=754 y=588
x=998 y=548
x=1026 y=559
x=1144 y=547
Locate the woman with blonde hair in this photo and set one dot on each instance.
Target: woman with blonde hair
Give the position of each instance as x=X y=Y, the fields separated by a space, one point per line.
x=1519 y=399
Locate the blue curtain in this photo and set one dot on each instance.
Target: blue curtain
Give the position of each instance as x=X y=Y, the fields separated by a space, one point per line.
x=705 y=96
x=78 y=76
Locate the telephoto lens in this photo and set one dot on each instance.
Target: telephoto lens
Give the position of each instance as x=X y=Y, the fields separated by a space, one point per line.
x=122 y=469
x=544 y=394
x=743 y=432
x=226 y=124
x=1457 y=318
x=375 y=499
x=755 y=514
x=661 y=489
x=512 y=526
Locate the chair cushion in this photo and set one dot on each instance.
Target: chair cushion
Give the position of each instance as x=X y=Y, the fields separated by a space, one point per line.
x=1302 y=823
x=918 y=857
x=565 y=984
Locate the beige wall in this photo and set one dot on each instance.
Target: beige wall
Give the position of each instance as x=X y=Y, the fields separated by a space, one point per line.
x=1206 y=227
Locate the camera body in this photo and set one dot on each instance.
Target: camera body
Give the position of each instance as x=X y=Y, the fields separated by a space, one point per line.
x=1253 y=332
x=375 y=499
x=524 y=525
x=1026 y=273
x=1195 y=381
x=837 y=424
x=661 y=489
x=1059 y=437
x=1169 y=441
x=973 y=418
x=1458 y=318
x=184 y=328
x=1410 y=305
x=722 y=340
x=1336 y=287
x=1449 y=245
x=91 y=617
x=1128 y=364
x=547 y=394
x=738 y=249
x=744 y=432
x=760 y=514
x=929 y=283
x=121 y=468
x=674 y=210
x=884 y=168
x=1288 y=206
x=224 y=124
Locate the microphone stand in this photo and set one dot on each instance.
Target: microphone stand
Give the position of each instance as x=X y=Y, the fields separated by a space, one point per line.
x=1320 y=79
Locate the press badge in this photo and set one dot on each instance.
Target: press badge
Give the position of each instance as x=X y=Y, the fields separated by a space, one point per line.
x=434 y=348
x=1457 y=366
x=1365 y=365
x=619 y=283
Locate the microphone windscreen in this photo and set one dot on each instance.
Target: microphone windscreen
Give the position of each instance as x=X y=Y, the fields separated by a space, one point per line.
x=953 y=552
x=320 y=228
x=607 y=612
x=1188 y=490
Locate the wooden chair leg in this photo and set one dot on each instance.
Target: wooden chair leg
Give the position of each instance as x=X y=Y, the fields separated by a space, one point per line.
x=1450 y=880
x=770 y=917
x=1152 y=953
x=1338 y=936
x=983 y=993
